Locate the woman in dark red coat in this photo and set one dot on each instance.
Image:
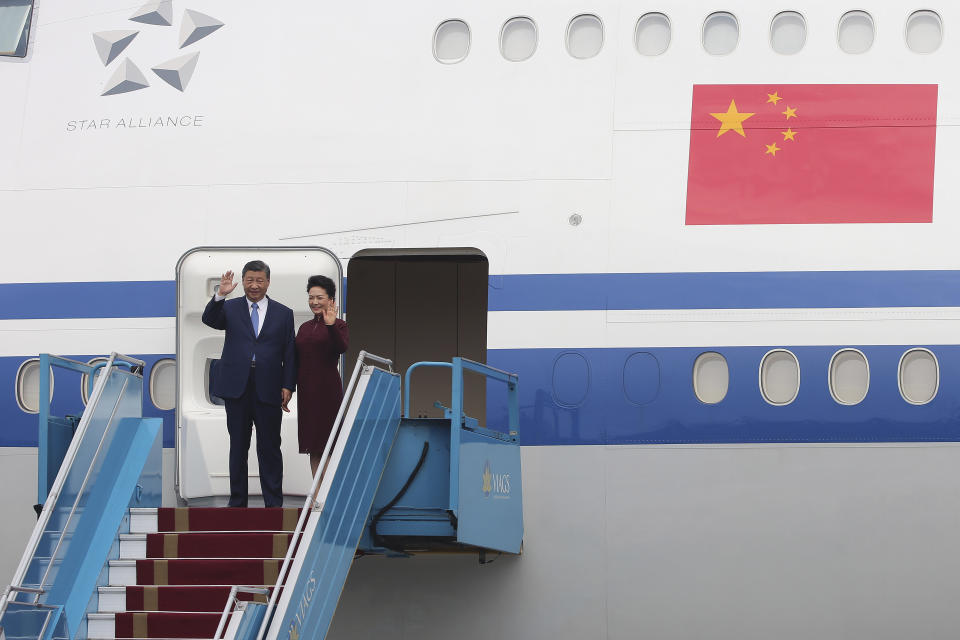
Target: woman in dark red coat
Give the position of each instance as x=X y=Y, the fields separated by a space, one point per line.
x=320 y=342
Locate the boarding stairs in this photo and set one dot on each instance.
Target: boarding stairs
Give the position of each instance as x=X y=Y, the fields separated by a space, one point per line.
x=394 y=485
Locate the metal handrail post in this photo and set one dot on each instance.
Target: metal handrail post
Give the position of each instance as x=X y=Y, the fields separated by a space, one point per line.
x=43 y=439
x=456 y=421
x=406 y=381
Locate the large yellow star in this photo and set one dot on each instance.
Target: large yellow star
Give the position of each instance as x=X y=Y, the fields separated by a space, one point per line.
x=772 y=149
x=788 y=134
x=791 y=112
x=732 y=120
x=774 y=97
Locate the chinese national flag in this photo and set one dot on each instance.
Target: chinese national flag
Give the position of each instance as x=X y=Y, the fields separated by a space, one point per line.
x=811 y=153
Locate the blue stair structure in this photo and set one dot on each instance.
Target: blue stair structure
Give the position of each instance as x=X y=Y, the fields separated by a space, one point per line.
x=393 y=485
x=88 y=482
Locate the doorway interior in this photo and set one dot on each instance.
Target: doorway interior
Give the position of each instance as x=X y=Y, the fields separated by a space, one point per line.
x=411 y=305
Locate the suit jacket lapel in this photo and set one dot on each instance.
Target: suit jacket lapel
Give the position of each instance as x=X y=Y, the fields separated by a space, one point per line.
x=264 y=320
x=244 y=310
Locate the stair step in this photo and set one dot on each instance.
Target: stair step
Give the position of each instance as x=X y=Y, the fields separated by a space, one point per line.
x=216 y=545
x=226 y=519
x=133 y=546
x=207 y=571
x=143 y=520
x=111 y=599
x=202 y=598
x=166 y=624
x=122 y=572
x=101 y=625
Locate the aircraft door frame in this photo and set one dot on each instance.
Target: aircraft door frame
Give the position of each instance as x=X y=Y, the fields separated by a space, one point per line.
x=202 y=442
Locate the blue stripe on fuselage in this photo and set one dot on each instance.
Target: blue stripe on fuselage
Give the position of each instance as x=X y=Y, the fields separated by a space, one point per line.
x=584 y=397
x=555 y=292
x=655 y=402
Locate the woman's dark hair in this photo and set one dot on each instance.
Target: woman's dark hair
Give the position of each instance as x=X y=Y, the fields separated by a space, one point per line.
x=324 y=282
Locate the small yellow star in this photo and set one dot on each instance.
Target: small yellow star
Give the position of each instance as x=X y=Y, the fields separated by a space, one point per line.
x=791 y=112
x=788 y=134
x=774 y=97
x=732 y=120
x=772 y=149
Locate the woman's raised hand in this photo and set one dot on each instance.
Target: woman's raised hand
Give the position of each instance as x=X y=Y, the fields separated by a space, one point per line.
x=227 y=285
x=330 y=313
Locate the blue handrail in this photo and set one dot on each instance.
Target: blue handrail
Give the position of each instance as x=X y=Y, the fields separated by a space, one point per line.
x=406 y=381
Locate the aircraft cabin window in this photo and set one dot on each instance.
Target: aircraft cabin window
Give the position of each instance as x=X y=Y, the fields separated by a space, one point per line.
x=919 y=376
x=779 y=377
x=84 y=380
x=571 y=379
x=518 y=39
x=711 y=377
x=15 y=18
x=28 y=385
x=721 y=32
x=849 y=376
x=653 y=34
x=584 y=36
x=855 y=32
x=788 y=32
x=163 y=384
x=924 y=31
x=641 y=378
x=451 y=41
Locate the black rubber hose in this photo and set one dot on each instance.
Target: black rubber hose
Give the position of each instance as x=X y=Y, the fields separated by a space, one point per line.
x=377 y=540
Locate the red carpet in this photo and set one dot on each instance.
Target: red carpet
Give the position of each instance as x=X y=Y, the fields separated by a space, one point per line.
x=184 y=583
x=217 y=545
x=213 y=519
x=167 y=625
x=182 y=598
x=247 y=571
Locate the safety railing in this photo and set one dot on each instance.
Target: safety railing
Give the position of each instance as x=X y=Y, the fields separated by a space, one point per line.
x=117 y=393
x=56 y=432
x=310 y=504
x=458 y=417
x=234 y=603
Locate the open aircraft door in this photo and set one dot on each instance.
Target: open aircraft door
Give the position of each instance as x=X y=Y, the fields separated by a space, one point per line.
x=203 y=473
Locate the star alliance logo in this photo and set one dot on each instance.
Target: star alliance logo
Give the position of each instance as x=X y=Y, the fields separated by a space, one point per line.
x=177 y=71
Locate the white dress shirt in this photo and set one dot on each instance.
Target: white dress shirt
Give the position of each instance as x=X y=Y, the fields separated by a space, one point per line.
x=261 y=309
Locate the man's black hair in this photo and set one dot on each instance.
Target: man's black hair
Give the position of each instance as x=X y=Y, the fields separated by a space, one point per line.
x=256 y=265
x=323 y=282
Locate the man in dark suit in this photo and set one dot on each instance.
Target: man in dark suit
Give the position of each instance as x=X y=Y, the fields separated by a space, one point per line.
x=256 y=376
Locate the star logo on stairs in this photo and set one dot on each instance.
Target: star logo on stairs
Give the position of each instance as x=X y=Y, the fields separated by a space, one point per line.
x=156 y=15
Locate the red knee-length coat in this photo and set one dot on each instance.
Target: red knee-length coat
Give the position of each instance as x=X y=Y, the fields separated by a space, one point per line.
x=319 y=389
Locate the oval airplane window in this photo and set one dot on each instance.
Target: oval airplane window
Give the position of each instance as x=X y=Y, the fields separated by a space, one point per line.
x=641 y=378
x=451 y=41
x=163 y=384
x=518 y=39
x=28 y=385
x=849 y=376
x=855 y=32
x=788 y=32
x=571 y=379
x=584 y=36
x=653 y=34
x=918 y=376
x=711 y=377
x=84 y=379
x=924 y=31
x=779 y=377
x=721 y=32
